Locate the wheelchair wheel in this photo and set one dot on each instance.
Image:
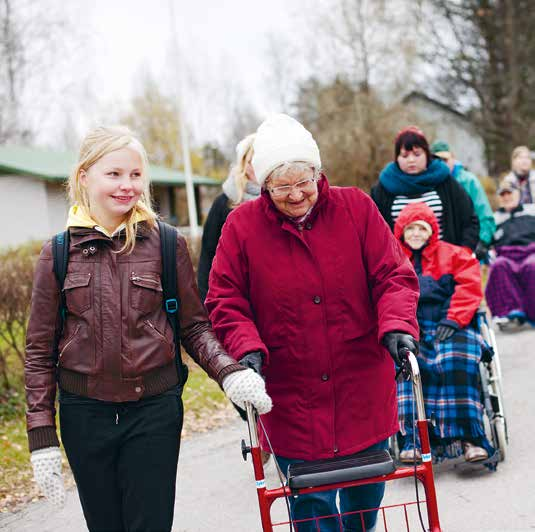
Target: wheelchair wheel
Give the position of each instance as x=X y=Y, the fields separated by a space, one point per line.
x=393 y=447
x=500 y=432
x=493 y=417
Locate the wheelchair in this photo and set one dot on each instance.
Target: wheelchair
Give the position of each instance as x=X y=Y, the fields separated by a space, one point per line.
x=490 y=373
x=490 y=384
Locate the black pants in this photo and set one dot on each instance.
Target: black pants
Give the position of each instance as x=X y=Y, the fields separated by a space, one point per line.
x=124 y=459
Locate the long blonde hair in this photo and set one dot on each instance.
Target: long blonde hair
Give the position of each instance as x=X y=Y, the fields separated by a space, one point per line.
x=244 y=154
x=96 y=144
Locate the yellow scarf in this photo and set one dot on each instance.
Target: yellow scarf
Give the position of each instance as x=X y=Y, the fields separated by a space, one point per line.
x=79 y=217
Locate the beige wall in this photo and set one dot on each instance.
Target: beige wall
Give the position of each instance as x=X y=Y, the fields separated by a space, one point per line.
x=34 y=209
x=438 y=123
x=24 y=211
x=58 y=207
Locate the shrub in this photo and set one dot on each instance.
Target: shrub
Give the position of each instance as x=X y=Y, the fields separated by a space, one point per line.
x=16 y=279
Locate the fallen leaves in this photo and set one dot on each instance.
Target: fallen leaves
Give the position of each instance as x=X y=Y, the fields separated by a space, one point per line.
x=205 y=408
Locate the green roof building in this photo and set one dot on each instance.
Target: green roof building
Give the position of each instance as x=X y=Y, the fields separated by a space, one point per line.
x=33 y=202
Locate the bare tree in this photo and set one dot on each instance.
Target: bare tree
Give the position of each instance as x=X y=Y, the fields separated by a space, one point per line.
x=154 y=117
x=483 y=55
x=339 y=117
x=12 y=62
x=363 y=55
x=40 y=50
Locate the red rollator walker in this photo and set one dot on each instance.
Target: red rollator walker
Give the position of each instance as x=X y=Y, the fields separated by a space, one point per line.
x=366 y=467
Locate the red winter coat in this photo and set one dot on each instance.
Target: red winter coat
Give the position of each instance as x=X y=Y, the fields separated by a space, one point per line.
x=316 y=300
x=449 y=275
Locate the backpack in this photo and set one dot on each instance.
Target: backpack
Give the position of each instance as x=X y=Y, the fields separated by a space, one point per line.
x=170 y=301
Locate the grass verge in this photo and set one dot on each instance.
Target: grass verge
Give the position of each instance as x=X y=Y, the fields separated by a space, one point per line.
x=205 y=408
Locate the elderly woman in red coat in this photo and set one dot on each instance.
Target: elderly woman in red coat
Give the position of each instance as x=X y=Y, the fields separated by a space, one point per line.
x=310 y=288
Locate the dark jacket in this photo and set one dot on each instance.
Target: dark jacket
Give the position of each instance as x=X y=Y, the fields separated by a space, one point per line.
x=210 y=237
x=117 y=344
x=316 y=299
x=516 y=228
x=449 y=275
x=460 y=224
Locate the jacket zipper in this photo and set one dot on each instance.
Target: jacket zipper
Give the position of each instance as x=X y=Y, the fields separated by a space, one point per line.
x=70 y=341
x=151 y=325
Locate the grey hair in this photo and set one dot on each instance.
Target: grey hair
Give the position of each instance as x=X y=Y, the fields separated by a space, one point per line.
x=292 y=166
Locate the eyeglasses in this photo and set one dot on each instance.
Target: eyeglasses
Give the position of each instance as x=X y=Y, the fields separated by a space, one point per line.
x=305 y=185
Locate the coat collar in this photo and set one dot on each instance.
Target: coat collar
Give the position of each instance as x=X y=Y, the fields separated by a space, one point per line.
x=82 y=235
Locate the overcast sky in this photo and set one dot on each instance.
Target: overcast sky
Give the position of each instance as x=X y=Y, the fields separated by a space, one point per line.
x=218 y=39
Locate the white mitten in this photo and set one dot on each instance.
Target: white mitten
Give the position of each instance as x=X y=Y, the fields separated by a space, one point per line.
x=47 y=474
x=247 y=385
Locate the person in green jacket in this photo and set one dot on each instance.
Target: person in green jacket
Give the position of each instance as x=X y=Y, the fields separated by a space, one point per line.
x=474 y=189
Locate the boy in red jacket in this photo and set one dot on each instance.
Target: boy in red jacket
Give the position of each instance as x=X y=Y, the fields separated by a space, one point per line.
x=450 y=294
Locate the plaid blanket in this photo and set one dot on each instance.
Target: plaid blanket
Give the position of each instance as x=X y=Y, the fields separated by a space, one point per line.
x=450 y=372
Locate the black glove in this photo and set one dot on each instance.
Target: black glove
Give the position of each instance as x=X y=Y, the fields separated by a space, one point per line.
x=481 y=251
x=253 y=361
x=396 y=341
x=444 y=332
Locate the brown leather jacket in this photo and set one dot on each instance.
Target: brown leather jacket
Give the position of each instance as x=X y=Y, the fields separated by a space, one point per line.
x=117 y=344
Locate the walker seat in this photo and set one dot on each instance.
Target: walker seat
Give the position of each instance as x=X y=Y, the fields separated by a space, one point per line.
x=366 y=464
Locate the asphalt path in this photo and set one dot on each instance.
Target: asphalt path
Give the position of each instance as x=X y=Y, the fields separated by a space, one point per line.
x=216 y=489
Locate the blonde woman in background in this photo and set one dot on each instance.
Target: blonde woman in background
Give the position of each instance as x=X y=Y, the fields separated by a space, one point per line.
x=522 y=174
x=120 y=405
x=240 y=186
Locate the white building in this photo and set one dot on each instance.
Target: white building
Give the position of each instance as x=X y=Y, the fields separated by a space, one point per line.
x=33 y=201
x=441 y=122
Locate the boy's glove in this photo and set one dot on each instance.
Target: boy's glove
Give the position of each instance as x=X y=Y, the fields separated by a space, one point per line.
x=253 y=360
x=245 y=385
x=47 y=474
x=396 y=341
x=444 y=332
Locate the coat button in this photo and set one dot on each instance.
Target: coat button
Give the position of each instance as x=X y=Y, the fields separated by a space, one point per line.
x=335 y=448
x=325 y=377
x=137 y=389
x=317 y=300
x=308 y=225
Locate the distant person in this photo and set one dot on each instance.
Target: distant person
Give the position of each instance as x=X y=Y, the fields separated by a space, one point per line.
x=120 y=393
x=510 y=290
x=522 y=174
x=477 y=194
x=240 y=186
x=416 y=177
x=450 y=350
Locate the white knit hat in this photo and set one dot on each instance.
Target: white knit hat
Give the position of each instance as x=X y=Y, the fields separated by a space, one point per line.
x=281 y=139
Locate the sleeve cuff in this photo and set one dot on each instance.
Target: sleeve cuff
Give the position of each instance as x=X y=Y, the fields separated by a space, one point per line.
x=450 y=323
x=397 y=326
x=41 y=437
x=227 y=370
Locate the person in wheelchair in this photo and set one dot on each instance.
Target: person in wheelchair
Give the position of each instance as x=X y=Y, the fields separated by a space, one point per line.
x=450 y=349
x=510 y=288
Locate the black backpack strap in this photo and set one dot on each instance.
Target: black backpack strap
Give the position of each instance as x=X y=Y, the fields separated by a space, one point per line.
x=171 y=301
x=60 y=255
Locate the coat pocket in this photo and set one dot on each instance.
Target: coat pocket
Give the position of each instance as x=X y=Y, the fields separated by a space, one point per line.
x=77 y=288
x=145 y=292
x=68 y=341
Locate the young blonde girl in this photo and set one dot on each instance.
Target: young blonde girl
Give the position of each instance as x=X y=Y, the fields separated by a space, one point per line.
x=119 y=390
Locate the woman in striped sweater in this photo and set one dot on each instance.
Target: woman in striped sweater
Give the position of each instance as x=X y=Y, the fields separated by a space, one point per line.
x=415 y=177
